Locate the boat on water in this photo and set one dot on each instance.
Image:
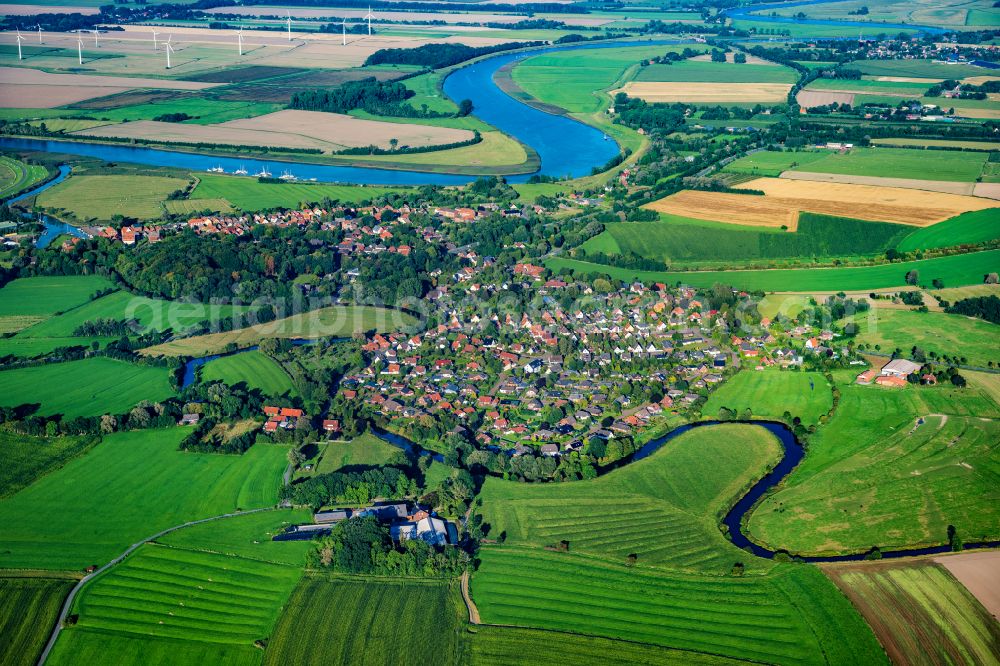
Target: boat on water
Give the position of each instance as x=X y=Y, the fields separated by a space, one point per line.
x=241 y=171
x=216 y=169
x=287 y=175
x=263 y=173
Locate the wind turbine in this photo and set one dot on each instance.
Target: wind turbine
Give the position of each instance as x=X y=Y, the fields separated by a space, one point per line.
x=343 y=24
x=239 y=39
x=156 y=47
x=39 y=33
x=288 y=22
x=169 y=49
x=369 y=16
x=96 y=33
x=20 y=39
x=79 y=48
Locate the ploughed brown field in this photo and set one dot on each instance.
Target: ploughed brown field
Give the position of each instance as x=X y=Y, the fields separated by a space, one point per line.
x=23 y=88
x=291 y=129
x=920 y=613
x=812 y=98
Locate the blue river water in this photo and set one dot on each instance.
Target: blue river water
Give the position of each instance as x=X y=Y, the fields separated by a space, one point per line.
x=53 y=227
x=564 y=145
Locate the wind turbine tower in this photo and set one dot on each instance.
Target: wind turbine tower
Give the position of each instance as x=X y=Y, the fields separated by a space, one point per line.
x=343 y=24
x=169 y=49
x=239 y=40
x=96 y=33
x=39 y=33
x=20 y=39
x=156 y=46
x=369 y=17
x=288 y=23
x=79 y=48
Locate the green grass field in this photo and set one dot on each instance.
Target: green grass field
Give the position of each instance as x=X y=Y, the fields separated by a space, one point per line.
x=254 y=369
x=16 y=176
x=945 y=334
x=955 y=270
x=151 y=313
x=921 y=613
x=506 y=646
x=249 y=195
x=45 y=296
x=770 y=393
x=678 y=240
x=369 y=623
x=918 y=69
x=662 y=508
x=717 y=72
x=573 y=80
x=27 y=458
x=792 y=616
x=90 y=387
x=334 y=321
x=976 y=226
x=87 y=198
x=872 y=477
x=92 y=646
x=364 y=450
x=949 y=165
x=196 y=596
x=126 y=488
x=937 y=143
x=908 y=89
x=247 y=536
x=28 y=611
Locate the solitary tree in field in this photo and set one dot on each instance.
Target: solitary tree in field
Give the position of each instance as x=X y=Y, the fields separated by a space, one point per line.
x=393 y=143
x=912 y=277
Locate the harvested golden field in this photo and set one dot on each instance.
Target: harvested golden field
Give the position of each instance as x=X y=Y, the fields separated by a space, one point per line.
x=22 y=88
x=979 y=80
x=785 y=198
x=291 y=129
x=705 y=93
x=946 y=186
x=753 y=211
x=811 y=98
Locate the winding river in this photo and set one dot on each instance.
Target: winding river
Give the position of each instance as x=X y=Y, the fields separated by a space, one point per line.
x=53 y=227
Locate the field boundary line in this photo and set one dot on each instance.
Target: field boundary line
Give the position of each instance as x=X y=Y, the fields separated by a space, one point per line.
x=68 y=604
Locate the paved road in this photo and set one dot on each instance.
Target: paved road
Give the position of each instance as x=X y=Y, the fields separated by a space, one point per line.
x=68 y=604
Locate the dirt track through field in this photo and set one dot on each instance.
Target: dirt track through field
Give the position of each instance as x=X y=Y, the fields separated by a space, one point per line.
x=979 y=572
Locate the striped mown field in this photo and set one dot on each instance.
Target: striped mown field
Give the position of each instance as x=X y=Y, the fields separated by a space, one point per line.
x=28 y=611
x=791 y=616
x=333 y=620
x=663 y=509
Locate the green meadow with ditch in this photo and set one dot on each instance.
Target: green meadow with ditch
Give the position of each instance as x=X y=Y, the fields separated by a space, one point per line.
x=892 y=468
x=254 y=369
x=29 y=607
